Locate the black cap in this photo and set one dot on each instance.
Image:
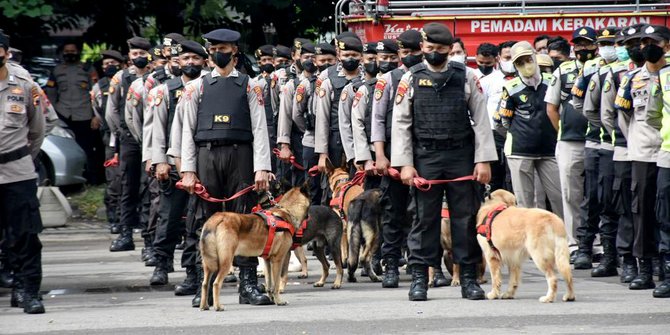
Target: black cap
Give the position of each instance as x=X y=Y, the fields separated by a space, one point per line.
x=308 y=48
x=325 y=49
x=350 y=44
x=139 y=43
x=112 y=54
x=388 y=46
x=634 y=31
x=4 y=41
x=282 y=51
x=621 y=35
x=370 y=48
x=298 y=43
x=222 y=36
x=435 y=32
x=410 y=39
x=173 y=39
x=194 y=47
x=608 y=34
x=344 y=34
x=157 y=52
x=657 y=33
x=264 y=50
x=586 y=33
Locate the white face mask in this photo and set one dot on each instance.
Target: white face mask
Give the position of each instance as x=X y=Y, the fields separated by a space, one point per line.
x=507 y=67
x=457 y=59
x=607 y=52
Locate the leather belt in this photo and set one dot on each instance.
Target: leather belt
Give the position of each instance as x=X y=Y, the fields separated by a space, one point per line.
x=13 y=155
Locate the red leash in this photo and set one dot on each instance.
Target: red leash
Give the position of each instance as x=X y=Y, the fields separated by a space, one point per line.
x=424 y=184
x=111 y=162
x=201 y=191
x=295 y=164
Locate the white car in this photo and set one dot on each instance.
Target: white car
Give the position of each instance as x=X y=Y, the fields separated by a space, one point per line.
x=61 y=160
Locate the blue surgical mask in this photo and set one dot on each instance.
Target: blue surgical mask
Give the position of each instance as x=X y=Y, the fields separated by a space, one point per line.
x=622 y=54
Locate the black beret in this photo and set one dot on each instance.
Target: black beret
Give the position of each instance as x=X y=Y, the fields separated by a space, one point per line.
x=194 y=47
x=308 y=48
x=410 y=39
x=299 y=42
x=387 y=46
x=139 y=43
x=435 y=32
x=157 y=52
x=370 y=48
x=282 y=51
x=222 y=36
x=350 y=44
x=345 y=33
x=112 y=54
x=608 y=34
x=173 y=39
x=325 y=49
x=264 y=50
x=4 y=41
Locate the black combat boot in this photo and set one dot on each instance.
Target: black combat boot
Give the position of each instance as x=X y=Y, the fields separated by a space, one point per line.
x=644 y=280
x=151 y=261
x=418 y=290
x=608 y=263
x=6 y=277
x=391 y=274
x=17 y=296
x=376 y=264
x=469 y=287
x=148 y=252
x=440 y=280
x=583 y=259
x=658 y=267
x=114 y=228
x=249 y=292
x=123 y=242
x=663 y=291
x=628 y=268
x=32 y=302
x=195 y=303
x=160 y=276
x=190 y=284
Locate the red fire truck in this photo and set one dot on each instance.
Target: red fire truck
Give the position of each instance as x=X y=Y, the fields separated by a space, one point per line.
x=493 y=21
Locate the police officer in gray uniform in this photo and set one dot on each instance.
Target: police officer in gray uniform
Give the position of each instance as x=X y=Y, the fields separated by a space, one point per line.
x=22 y=129
x=225 y=142
x=434 y=136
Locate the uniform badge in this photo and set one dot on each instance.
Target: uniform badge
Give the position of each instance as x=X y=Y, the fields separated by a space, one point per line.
x=357 y=98
x=259 y=95
x=135 y=102
x=504 y=95
x=400 y=94
x=571 y=78
x=16 y=109
x=479 y=86
x=318 y=83
x=222 y=118
x=17 y=90
x=344 y=95
x=608 y=86
x=553 y=81
x=523 y=98
x=299 y=93
x=159 y=98
x=111 y=90
x=592 y=85
x=322 y=93
x=425 y=82
x=273 y=83
x=379 y=88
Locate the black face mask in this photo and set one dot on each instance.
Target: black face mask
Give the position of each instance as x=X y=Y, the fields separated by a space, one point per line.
x=192 y=71
x=371 y=68
x=111 y=70
x=411 y=60
x=71 y=58
x=435 y=58
x=350 y=64
x=557 y=63
x=387 y=66
x=222 y=59
x=635 y=54
x=585 y=55
x=283 y=66
x=652 y=53
x=485 y=69
x=141 y=62
x=309 y=66
x=267 y=68
x=298 y=65
x=323 y=67
x=175 y=70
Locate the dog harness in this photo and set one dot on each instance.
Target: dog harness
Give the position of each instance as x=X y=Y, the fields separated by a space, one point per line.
x=337 y=202
x=445 y=213
x=486 y=228
x=275 y=223
x=297 y=238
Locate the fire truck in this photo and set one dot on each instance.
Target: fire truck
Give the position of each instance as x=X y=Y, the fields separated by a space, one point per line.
x=493 y=21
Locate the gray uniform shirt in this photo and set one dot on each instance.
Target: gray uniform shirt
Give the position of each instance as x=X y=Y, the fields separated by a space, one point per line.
x=285 y=119
x=608 y=114
x=344 y=120
x=362 y=149
x=402 y=152
x=592 y=102
x=302 y=99
x=135 y=102
x=190 y=102
x=68 y=89
x=116 y=93
x=325 y=96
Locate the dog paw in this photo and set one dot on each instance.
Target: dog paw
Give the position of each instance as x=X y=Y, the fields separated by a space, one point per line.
x=507 y=295
x=219 y=308
x=336 y=287
x=491 y=296
x=318 y=284
x=302 y=276
x=375 y=278
x=431 y=283
x=455 y=283
x=545 y=299
x=351 y=279
x=282 y=303
x=569 y=297
x=281 y=290
x=204 y=307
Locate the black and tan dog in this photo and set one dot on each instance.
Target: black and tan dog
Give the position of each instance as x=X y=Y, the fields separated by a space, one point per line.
x=227 y=234
x=364 y=223
x=343 y=193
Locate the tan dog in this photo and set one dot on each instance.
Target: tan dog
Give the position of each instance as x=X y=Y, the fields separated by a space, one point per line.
x=516 y=234
x=227 y=234
x=336 y=180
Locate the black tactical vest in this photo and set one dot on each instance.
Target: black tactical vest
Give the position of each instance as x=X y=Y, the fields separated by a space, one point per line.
x=175 y=89
x=160 y=75
x=396 y=75
x=573 y=123
x=338 y=84
x=439 y=110
x=223 y=115
x=127 y=79
x=103 y=84
x=308 y=113
x=367 y=120
x=603 y=134
x=532 y=132
x=619 y=139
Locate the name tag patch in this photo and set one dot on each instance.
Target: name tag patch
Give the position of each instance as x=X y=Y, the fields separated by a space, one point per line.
x=425 y=82
x=222 y=118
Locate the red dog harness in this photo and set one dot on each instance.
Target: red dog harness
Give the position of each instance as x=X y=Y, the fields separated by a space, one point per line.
x=486 y=228
x=297 y=238
x=275 y=223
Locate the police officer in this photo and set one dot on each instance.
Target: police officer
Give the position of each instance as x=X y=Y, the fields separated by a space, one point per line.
x=22 y=127
x=129 y=148
x=68 y=89
x=394 y=198
x=573 y=125
x=639 y=89
x=435 y=138
x=170 y=66
x=630 y=58
x=265 y=56
x=531 y=137
x=282 y=62
x=112 y=62
x=225 y=142
x=173 y=201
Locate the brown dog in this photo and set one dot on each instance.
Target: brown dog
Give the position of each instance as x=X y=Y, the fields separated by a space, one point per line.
x=337 y=179
x=227 y=234
x=515 y=234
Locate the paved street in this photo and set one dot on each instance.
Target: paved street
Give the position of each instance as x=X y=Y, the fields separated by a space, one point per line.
x=93 y=291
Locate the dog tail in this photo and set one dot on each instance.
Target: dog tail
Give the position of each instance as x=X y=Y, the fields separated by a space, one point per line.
x=208 y=247
x=354 y=232
x=562 y=257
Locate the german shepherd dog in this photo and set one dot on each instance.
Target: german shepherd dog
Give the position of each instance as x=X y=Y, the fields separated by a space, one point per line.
x=517 y=233
x=364 y=216
x=336 y=180
x=324 y=227
x=227 y=234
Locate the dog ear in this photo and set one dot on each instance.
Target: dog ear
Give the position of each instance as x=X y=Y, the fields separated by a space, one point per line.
x=304 y=188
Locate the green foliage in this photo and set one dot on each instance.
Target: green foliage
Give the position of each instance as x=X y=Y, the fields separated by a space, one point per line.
x=89 y=201
x=13 y=9
x=91 y=53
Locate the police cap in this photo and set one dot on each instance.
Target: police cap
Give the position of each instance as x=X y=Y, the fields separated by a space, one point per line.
x=173 y=39
x=350 y=44
x=308 y=48
x=410 y=39
x=264 y=50
x=435 y=32
x=608 y=34
x=586 y=33
x=282 y=51
x=388 y=46
x=325 y=49
x=344 y=34
x=634 y=31
x=157 y=52
x=112 y=54
x=298 y=43
x=657 y=33
x=194 y=47
x=139 y=43
x=222 y=36
x=370 y=48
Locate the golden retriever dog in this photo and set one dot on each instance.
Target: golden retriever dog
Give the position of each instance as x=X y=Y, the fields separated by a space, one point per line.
x=228 y=234
x=337 y=179
x=517 y=233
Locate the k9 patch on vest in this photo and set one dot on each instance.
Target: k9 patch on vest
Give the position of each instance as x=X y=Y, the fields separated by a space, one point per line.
x=222 y=118
x=425 y=82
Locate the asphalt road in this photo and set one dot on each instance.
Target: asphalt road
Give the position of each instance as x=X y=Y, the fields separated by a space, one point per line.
x=93 y=291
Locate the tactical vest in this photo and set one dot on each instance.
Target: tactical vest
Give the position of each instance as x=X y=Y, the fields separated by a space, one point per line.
x=396 y=75
x=573 y=124
x=367 y=119
x=223 y=115
x=338 y=84
x=175 y=90
x=619 y=140
x=127 y=79
x=161 y=75
x=308 y=113
x=103 y=84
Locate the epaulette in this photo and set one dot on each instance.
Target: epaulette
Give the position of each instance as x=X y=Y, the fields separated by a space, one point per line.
x=514 y=86
x=590 y=67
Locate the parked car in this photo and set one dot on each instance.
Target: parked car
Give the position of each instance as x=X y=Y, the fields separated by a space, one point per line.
x=61 y=160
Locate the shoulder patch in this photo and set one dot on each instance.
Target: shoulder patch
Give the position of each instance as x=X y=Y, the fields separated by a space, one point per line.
x=322 y=92
x=402 y=89
x=553 y=81
x=344 y=95
x=607 y=86
x=592 y=85
x=357 y=97
x=319 y=81
x=379 y=88
x=259 y=95
x=300 y=93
